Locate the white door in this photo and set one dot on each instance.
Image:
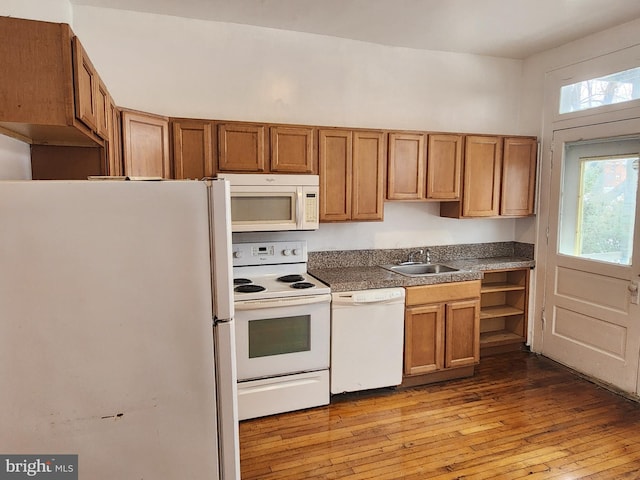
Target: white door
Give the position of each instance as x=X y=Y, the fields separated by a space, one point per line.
x=592 y=318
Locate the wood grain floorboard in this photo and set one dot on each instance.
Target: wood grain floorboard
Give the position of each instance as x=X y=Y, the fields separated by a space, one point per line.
x=521 y=416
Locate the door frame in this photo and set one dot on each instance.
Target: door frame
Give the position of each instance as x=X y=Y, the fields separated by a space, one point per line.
x=602 y=122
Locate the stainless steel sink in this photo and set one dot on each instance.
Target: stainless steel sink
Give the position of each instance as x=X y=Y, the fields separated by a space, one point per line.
x=419 y=269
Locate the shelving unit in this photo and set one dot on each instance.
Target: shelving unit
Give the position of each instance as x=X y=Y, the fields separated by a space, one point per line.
x=503 y=310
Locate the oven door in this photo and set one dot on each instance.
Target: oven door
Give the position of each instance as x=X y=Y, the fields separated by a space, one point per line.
x=282 y=336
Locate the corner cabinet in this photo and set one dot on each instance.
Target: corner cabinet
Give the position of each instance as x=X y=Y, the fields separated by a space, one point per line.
x=503 y=310
x=351 y=167
x=442 y=339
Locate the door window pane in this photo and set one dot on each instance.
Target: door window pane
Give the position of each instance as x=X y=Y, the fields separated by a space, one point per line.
x=598 y=207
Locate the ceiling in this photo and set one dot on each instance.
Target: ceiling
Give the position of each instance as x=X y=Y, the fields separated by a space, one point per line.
x=502 y=28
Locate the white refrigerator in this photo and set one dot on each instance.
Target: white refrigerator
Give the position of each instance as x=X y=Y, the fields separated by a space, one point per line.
x=116 y=327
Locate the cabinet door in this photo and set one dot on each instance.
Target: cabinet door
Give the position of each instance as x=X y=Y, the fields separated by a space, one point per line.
x=444 y=167
x=241 y=148
x=85 y=82
x=192 y=150
x=482 y=170
x=114 y=143
x=335 y=154
x=293 y=150
x=462 y=346
x=424 y=339
x=518 y=176
x=103 y=110
x=145 y=145
x=368 y=176
x=406 y=172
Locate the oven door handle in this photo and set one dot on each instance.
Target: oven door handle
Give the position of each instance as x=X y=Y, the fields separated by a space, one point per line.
x=281 y=302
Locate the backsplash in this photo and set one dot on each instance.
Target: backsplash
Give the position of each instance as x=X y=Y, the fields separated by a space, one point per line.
x=438 y=253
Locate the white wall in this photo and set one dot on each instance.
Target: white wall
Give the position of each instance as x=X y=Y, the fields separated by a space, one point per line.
x=201 y=69
x=58 y=11
x=185 y=67
x=15 y=159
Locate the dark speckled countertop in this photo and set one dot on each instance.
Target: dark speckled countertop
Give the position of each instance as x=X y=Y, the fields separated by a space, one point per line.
x=355 y=271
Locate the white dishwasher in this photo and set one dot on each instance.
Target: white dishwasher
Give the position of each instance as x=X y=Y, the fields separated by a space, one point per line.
x=367 y=337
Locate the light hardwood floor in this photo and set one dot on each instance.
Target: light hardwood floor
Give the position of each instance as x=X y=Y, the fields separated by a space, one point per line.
x=520 y=416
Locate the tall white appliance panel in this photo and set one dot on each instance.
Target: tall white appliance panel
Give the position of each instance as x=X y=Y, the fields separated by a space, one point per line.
x=224 y=328
x=105 y=327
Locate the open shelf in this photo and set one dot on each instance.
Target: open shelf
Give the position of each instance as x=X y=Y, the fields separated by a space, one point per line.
x=503 y=310
x=500 y=287
x=499 y=337
x=499 y=311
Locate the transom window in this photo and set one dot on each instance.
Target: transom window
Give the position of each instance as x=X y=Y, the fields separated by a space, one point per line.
x=615 y=88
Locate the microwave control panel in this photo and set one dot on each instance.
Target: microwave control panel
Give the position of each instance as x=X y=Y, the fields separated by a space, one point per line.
x=269 y=253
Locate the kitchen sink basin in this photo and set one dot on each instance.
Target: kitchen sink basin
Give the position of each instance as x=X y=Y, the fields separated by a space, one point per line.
x=420 y=269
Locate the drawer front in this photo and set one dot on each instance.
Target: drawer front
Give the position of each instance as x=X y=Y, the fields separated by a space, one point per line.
x=443 y=292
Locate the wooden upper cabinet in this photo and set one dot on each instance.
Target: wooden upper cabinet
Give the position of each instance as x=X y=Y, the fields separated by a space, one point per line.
x=103 y=110
x=293 y=150
x=145 y=145
x=351 y=167
x=406 y=172
x=482 y=172
x=85 y=83
x=192 y=149
x=335 y=165
x=114 y=144
x=499 y=178
x=38 y=79
x=444 y=166
x=242 y=148
x=368 y=170
x=518 y=176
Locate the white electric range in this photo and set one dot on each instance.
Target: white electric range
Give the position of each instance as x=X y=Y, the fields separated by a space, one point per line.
x=282 y=329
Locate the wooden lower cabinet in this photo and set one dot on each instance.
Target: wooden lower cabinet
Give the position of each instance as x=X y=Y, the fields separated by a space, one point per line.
x=442 y=332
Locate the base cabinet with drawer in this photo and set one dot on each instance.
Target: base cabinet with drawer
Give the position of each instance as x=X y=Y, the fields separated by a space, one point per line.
x=442 y=335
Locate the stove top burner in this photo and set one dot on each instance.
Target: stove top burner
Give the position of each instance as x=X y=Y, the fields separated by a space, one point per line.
x=249 y=288
x=241 y=281
x=302 y=285
x=291 y=278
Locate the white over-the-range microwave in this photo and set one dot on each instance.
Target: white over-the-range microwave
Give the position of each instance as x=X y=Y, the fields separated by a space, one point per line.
x=266 y=203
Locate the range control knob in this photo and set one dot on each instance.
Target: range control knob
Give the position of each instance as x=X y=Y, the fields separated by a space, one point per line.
x=296 y=252
x=286 y=252
x=237 y=254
